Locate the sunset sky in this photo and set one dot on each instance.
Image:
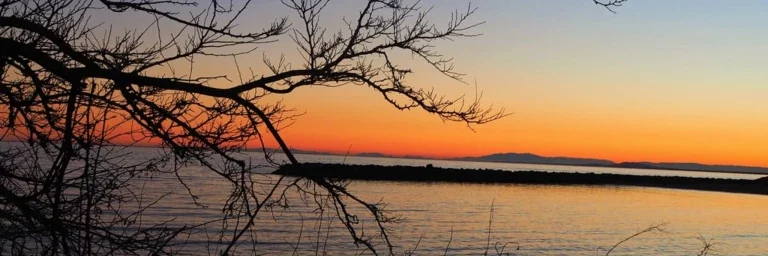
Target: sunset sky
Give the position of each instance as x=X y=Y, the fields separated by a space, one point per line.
x=682 y=81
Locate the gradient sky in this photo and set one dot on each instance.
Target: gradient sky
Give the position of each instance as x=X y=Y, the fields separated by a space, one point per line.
x=680 y=80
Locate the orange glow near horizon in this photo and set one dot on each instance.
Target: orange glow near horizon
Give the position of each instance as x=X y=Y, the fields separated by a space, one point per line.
x=364 y=123
x=682 y=81
x=619 y=128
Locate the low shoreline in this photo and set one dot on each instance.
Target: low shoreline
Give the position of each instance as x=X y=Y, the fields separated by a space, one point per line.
x=488 y=176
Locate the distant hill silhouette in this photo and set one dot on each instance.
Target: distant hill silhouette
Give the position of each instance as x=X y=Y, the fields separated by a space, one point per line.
x=376 y=154
x=363 y=154
x=711 y=168
x=634 y=165
x=528 y=158
x=372 y=154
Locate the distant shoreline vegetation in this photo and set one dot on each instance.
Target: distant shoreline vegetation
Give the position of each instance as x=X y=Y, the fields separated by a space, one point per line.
x=437 y=174
x=528 y=158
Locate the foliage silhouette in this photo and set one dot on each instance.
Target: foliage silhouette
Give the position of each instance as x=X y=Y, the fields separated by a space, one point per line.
x=73 y=91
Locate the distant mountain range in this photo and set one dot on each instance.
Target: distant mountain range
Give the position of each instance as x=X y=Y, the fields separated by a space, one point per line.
x=709 y=168
x=363 y=154
x=536 y=159
x=374 y=154
x=527 y=158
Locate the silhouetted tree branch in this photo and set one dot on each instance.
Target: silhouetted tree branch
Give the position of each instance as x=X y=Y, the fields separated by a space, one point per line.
x=653 y=228
x=72 y=89
x=610 y=4
x=69 y=85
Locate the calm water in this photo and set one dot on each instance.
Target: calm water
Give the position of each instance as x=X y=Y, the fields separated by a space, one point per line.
x=542 y=220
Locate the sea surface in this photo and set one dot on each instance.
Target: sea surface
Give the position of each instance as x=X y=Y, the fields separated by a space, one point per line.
x=470 y=219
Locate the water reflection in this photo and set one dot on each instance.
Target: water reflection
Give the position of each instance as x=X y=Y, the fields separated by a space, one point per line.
x=574 y=220
x=543 y=220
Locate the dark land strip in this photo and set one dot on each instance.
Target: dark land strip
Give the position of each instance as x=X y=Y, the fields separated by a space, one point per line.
x=487 y=176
